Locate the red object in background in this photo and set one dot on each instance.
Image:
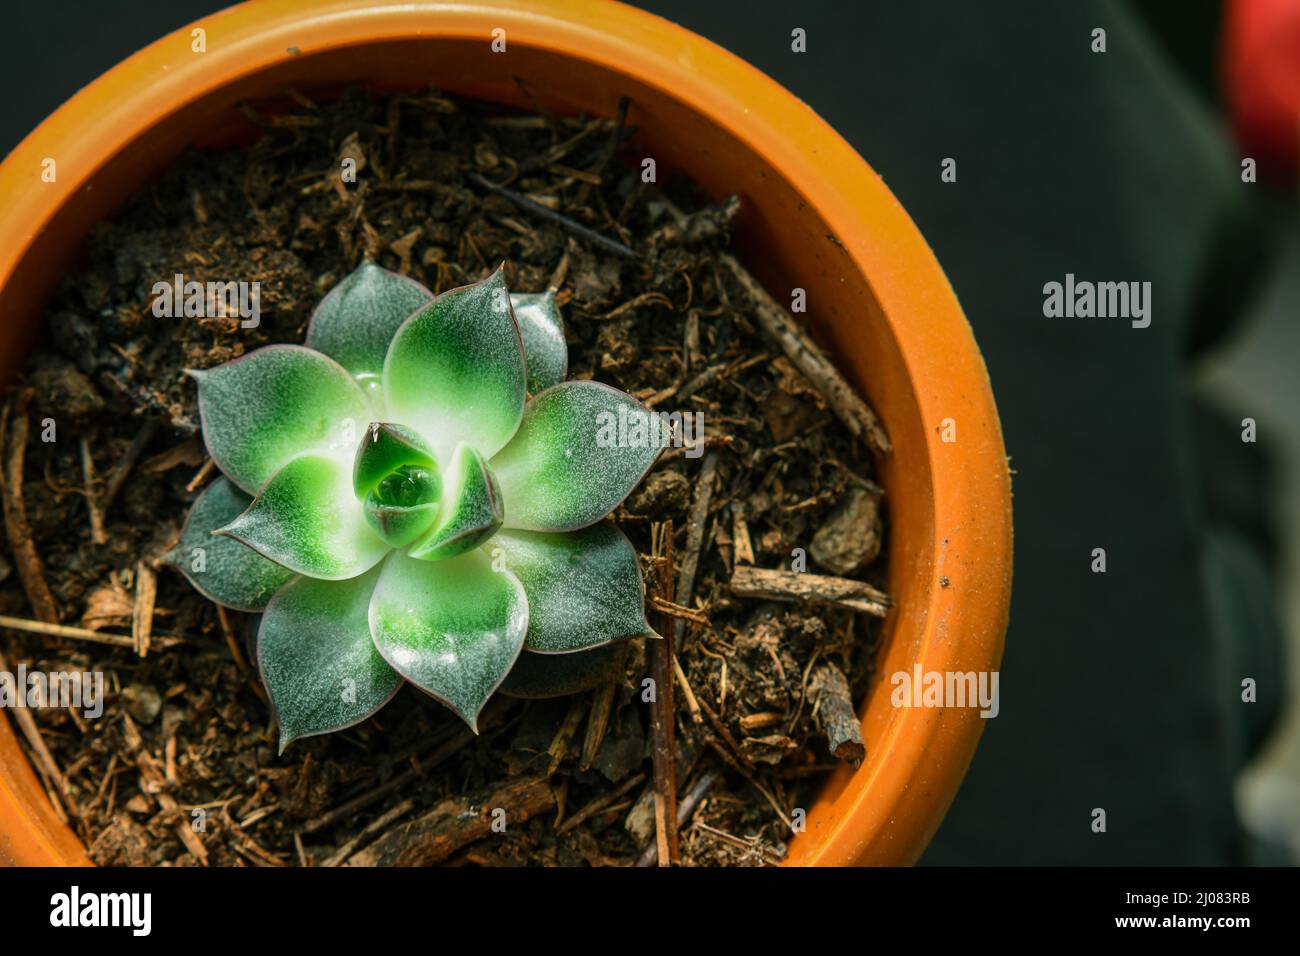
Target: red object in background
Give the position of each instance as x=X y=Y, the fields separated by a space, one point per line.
x=1261 y=81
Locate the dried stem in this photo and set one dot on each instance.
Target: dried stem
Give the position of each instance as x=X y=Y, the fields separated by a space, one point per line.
x=663 y=712
x=806 y=588
x=810 y=360
x=695 y=538
x=31 y=572
x=537 y=209
x=84 y=634
x=92 y=499
x=685 y=810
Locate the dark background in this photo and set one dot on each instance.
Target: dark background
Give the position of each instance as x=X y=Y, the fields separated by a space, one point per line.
x=1119 y=690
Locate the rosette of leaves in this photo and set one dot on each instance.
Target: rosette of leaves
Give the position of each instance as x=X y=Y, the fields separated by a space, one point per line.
x=416 y=495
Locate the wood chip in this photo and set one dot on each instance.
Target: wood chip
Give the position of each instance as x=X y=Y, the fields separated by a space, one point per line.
x=456 y=823
x=835 y=713
x=740 y=536
x=89 y=484
x=752 y=723
x=108 y=606
x=602 y=705
x=146 y=594
x=850 y=538
x=803 y=587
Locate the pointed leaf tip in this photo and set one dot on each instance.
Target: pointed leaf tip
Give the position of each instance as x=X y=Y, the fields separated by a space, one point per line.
x=356 y=321
x=222 y=568
x=452 y=628
x=455 y=369
x=470 y=511
x=584 y=587
x=580 y=450
x=308 y=519
x=317 y=660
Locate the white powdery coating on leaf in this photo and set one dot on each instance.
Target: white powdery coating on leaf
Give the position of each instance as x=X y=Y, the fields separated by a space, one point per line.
x=317 y=660
x=308 y=519
x=453 y=628
x=355 y=323
x=580 y=450
x=455 y=370
x=542 y=330
x=262 y=410
x=221 y=568
x=584 y=587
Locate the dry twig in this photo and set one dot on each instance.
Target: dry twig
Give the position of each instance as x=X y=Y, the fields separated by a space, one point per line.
x=685 y=810
x=663 y=711
x=456 y=823
x=84 y=634
x=803 y=587
x=835 y=713
x=695 y=538
x=31 y=571
x=146 y=594
x=810 y=360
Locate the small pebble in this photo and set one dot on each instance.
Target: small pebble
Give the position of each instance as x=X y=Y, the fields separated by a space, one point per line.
x=142 y=702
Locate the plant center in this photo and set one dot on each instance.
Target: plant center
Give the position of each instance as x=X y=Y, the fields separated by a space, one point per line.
x=408 y=486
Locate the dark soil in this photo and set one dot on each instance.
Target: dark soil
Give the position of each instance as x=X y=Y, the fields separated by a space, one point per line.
x=187 y=727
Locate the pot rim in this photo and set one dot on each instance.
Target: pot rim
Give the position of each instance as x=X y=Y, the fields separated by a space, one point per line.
x=872 y=817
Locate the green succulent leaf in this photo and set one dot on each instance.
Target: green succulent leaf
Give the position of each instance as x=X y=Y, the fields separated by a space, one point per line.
x=584 y=587
x=470 y=512
x=308 y=519
x=580 y=450
x=385 y=448
x=220 y=568
x=356 y=321
x=317 y=660
x=542 y=330
x=538 y=676
x=399 y=525
x=453 y=628
x=273 y=404
x=455 y=369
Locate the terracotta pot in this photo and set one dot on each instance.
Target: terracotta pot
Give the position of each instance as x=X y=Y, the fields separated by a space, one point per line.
x=814 y=216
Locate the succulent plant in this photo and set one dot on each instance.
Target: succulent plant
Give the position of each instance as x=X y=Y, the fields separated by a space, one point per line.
x=416 y=495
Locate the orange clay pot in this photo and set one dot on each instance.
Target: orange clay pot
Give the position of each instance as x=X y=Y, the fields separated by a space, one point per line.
x=814 y=215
